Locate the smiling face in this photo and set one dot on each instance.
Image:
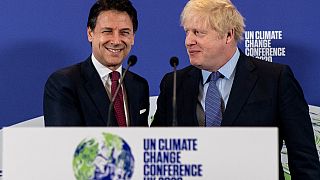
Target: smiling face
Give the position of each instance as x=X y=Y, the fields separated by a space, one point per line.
x=112 y=38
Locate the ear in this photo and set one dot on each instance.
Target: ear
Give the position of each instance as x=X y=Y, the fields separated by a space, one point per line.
x=230 y=36
x=90 y=34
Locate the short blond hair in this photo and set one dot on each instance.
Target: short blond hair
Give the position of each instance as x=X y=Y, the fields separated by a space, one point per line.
x=220 y=15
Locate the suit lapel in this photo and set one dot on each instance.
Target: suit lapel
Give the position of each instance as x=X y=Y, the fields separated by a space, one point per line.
x=190 y=90
x=96 y=90
x=244 y=81
x=133 y=103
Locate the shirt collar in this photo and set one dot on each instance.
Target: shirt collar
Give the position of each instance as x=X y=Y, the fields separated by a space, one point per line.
x=226 y=70
x=103 y=71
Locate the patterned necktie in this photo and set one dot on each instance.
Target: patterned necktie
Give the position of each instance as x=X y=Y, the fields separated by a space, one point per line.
x=213 y=102
x=118 y=101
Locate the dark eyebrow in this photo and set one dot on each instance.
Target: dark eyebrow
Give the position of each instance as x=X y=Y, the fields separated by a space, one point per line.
x=125 y=29
x=106 y=28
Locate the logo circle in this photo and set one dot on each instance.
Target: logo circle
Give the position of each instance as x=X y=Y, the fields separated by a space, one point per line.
x=107 y=157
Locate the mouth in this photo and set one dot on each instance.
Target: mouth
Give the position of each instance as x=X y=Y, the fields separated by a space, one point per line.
x=192 y=52
x=114 y=50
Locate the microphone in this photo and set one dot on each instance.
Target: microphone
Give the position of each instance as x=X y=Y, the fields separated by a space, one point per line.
x=132 y=60
x=174 y=61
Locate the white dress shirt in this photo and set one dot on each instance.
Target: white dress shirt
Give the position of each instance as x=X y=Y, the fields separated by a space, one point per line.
x=224 y=84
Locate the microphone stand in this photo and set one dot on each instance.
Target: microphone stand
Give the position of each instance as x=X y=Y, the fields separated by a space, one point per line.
x=131 y=61
x=174 y=63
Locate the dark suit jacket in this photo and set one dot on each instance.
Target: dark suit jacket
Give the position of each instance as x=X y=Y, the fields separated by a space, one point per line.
x=76 y=96
x=263 y=94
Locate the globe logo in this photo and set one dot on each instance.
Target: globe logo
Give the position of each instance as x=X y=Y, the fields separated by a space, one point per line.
x=107 y=157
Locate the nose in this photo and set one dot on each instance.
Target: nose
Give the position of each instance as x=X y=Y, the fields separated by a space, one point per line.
x=190 y=39
x=115 y=39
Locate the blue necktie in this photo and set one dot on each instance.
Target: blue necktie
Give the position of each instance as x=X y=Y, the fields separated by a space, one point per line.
x=213 y=102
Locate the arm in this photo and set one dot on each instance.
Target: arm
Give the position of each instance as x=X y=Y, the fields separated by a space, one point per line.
x=160 y=117
x=296 y=129
x=146 y=102
x=60 y=103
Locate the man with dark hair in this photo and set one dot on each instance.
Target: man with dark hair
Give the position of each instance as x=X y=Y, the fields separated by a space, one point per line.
x=80 y=95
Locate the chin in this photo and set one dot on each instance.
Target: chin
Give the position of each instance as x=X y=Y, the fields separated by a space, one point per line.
x=114 y=60
x=195 y=62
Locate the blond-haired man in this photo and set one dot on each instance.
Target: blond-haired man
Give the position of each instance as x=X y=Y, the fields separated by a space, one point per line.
x=251 y=92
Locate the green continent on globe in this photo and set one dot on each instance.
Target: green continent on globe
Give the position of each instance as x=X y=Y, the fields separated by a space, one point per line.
x=84 y=157
x=107 y=157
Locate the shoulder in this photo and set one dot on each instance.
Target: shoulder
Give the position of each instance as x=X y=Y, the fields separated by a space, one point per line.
x=189 y=70
x=182 y=73
x=263 y=67
x=69 y=72
x=137 y=78
x=67 y=75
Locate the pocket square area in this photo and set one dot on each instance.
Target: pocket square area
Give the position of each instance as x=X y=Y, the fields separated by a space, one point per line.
x=143 y=110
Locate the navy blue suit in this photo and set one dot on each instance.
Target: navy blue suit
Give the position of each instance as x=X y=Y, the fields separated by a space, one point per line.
x=263 y=94
x=76 y=96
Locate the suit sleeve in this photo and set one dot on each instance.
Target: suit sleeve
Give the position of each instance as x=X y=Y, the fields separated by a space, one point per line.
x=147 y=102
x=296 y=129
x=160 y=118
x=60 y=104
x=144 y=104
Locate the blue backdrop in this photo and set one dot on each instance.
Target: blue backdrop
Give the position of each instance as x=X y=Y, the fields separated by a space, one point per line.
x=39 y=37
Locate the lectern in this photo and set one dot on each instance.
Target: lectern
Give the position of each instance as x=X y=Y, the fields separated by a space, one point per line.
x=141 y=153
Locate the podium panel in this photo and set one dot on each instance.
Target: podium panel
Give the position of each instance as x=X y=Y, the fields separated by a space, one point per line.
x=140 y=153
